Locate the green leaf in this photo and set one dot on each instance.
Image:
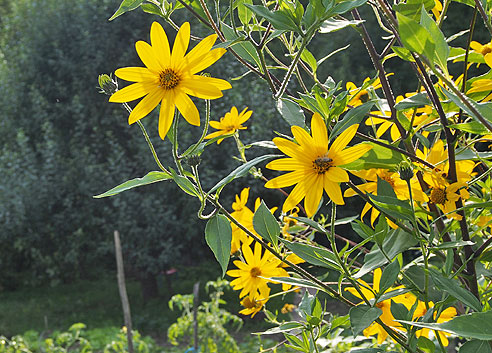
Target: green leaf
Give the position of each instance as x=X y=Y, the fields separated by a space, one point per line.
x=485 y=109
x=473 y=127
x=242 y=170
x=415 y=37
x=266 y=225
x=278 y=19
x=416 y=101
x=243 y=12
x=333 y=25
x=313 y=254
x=396 y=242
x=218 y=235
x=291 y=112
x=403 y=53
x=426 y=344
x=367 y=350
x=452 y=287
x=150 y=178
x=125 y=6
x=475 y=346
x=399 y=209
x=353 y=116
x=309 y=58
x=311 y=223
x=452 y=245
x=389 y=276
x=475 y=325
x=441 y=46
x=152 y=9
x=343 y=7
x=244 y=49
x=184 y=183
x=362 y=316
x=285 y=327
x=299 y=282
x=413 y=8
x=377 y=157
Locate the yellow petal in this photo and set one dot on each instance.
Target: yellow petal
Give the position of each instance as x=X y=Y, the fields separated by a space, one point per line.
x=295 y=196
x=302 y=137
x=160 y=44
x=286 y=179
x=205 y=60
x=187 y=108
x=198 y=86
x=166 y=114
x=180 y=46
x=132 y=92
x=290 y=148
x=136 y=74
x=147 y=55
x=337 y=175
x=284 y=164
x=319 y=132
x=333 y=190
x=351 y=154
x=313 y=193
x=342 y=141
x=146 y=105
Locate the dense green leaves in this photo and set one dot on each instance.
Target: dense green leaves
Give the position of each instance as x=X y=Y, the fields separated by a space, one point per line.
x=218 y=234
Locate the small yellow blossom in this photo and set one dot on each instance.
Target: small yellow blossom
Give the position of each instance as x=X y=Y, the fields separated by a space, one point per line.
x=446 y=315
x=254 y=303
x=445 y=195
x=230 y=123
x=359 y=96
x=287 y=308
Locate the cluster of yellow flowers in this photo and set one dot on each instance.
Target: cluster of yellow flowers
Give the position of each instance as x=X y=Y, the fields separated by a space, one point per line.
x=408 y=300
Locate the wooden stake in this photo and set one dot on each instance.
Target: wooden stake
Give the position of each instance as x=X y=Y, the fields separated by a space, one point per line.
x=122 y=288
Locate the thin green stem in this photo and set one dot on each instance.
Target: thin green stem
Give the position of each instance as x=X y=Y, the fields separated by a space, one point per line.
x=204 y=132
x=175 y=144
x=149 y=142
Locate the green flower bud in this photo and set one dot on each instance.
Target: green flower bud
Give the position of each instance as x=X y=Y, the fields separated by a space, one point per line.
x=193 y=160
x=107 y=84
x=405 y=171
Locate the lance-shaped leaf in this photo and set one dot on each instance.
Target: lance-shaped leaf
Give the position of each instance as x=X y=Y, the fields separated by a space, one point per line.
x=150 y=178
x=184 y=183
x=362 y=316
x=296 y=282
x=415 y=37
x=441 y=46
x=353 y=116
x=278 y=19
x=452 y=287
x=242 y=170
x=475 y=325
x=291 y=112
x=313 y=254
x=266 y=225
x=218 y=235
x=125 y=6
x=476 y=346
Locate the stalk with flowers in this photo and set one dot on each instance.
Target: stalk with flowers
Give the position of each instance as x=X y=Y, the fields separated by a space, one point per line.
x=419 y=273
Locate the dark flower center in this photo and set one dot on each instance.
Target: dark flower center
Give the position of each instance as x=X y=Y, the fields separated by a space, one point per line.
x=255 y=272
x=364 y=96
x=486 y=49
x=438 y=196
x=322 y=164
x=168 y=79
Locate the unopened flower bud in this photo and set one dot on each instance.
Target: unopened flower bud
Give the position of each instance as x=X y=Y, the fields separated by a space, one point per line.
x=193 y=160
x=107 y=84
x=405 y=171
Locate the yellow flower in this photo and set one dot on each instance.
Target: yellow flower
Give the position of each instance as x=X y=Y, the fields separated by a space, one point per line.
x=444 y=195
x=170 y=78
x=437 y=9
x=289 y=222
x=230 y=123
x=287 y=308
x=386 y=317
x=244 y=216
x=482 y=49
x=314 y=167
x=446 y=315
x=359 y=96
x=482 y=85
x=422 y=117
x=399 y=186
x=249 y=273
x=253 y=303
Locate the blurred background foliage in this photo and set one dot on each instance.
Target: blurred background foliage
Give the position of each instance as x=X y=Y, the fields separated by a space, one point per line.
x=61 y=142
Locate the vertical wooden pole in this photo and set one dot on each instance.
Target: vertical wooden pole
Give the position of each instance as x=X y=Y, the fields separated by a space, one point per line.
x=122 y=287
x=196 y=289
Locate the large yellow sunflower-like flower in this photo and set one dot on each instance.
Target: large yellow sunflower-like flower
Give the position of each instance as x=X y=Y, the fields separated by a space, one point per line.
x=386 y=317
x=230 y=123
x=251 y=274
x=314 y=167
x=170 y=78
x=444 y=194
